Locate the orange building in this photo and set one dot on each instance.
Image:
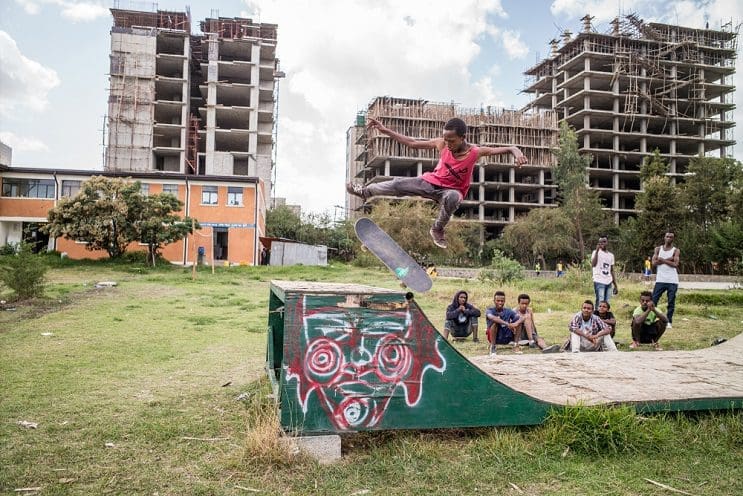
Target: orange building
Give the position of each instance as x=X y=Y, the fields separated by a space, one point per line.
x=230 y=209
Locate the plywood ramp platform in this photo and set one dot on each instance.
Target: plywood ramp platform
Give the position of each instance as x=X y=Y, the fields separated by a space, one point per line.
x=712 y=374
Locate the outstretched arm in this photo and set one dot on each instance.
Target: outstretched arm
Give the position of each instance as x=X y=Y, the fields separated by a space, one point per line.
x=487 y=151
x=405 y=140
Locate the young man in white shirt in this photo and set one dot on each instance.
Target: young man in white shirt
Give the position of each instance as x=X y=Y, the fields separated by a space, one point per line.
x=602 y=261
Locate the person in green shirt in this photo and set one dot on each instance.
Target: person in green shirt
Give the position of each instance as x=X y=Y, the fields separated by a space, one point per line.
x=648 y=322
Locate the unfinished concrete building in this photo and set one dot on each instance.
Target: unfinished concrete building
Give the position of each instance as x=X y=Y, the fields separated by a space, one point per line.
x=638 y=88
x=500 y=191
x=191 y=104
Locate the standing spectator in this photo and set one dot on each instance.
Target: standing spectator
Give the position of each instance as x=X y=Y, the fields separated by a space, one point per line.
x=537 y=268
x=604 y=313
x=602 y=261
x=461 y=318
x=666 y=262
x=560 y=269
x=648 y=322
x=502 y=322
x=588 y=332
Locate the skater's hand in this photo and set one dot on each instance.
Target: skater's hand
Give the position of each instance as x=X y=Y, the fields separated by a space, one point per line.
x=375 y=124
x=520 y=159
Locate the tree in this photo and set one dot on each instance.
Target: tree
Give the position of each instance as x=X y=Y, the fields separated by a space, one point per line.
x=158 y=224
x=282 y=222
x=408 y=223
x=543 y=233
x=579 y=204
x=109 y=214
x=712 y=192
x=99 y=215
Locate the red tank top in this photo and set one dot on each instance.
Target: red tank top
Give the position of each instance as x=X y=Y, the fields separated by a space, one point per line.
x=452 y=173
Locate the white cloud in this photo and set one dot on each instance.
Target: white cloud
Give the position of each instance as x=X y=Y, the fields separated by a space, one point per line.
x=25 y=83
x=83 y=11
x=338 y=57
x=76 y=11
x=515 y=48
x=31 y=8
x=602 y=10
x=22 y=144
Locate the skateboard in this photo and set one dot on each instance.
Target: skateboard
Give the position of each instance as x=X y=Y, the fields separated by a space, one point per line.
x=395 y=258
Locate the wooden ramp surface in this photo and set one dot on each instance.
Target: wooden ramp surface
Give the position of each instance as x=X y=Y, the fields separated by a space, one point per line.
x=713 y=373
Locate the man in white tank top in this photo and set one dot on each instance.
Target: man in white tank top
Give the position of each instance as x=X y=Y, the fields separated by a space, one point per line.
x=666 y=262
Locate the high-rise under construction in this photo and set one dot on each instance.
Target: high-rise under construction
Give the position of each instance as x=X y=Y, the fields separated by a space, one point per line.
x=638 y=88
x=199 y=104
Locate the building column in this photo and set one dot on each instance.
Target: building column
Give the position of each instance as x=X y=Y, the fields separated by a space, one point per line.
x=211 y=100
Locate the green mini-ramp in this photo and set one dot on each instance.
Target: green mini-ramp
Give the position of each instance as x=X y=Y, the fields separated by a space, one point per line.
x=346 y=358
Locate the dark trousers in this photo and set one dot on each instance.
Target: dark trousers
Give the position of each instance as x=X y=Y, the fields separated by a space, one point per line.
x=644 y=333
x=659 y=289
x=448 y=199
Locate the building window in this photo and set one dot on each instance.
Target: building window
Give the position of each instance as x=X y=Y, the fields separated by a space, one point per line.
x=208 y=195
x=234 y=196
x=144 y=189
x=171 y=189
x=28 y=188
x=70 y=188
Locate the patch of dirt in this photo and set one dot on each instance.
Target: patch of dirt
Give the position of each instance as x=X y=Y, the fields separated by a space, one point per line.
x=11 y=313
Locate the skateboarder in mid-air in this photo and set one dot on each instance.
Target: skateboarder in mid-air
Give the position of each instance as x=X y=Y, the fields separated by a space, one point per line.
x=450 y=180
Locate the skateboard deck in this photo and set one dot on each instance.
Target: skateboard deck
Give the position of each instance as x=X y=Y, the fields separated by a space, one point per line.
x=395 y=258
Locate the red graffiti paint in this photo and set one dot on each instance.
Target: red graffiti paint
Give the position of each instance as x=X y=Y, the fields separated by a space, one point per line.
x=355 y=360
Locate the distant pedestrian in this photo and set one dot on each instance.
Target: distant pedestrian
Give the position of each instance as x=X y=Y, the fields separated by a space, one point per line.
x=666 y=261
x=647 y=269
x=560 y=269
x=537 y=268
x=602 y=261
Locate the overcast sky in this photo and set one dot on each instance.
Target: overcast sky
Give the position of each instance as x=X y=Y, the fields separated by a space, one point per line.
x=337 y=55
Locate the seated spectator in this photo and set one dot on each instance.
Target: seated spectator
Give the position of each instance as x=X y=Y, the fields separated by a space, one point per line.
x=648 y=322
x=502 y=322
x=588 y=332
x=527 y=329
x=461 y=318
x=604 y=313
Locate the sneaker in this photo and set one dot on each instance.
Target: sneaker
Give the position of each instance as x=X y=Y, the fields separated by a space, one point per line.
x=669 y=326
x=475 y=340
x=492 y=351
x=532 y=344
x=438 y=237
x=634 y=345
x=356 y=190
x=552 y=349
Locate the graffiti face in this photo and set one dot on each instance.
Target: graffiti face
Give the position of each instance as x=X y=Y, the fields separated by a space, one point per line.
x=356 y=360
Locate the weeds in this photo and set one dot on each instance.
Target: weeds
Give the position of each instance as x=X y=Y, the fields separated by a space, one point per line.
x=600 y=430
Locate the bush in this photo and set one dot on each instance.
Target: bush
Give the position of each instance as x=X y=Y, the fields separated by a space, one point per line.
x=8 y=249
x=503 y=269
x=23 y=272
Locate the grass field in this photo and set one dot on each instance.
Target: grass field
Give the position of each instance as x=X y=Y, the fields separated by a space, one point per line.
x=135 y=391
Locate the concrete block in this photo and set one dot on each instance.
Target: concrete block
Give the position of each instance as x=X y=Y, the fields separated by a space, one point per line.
x=324 y=449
